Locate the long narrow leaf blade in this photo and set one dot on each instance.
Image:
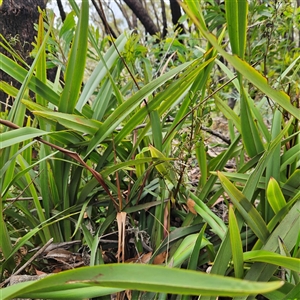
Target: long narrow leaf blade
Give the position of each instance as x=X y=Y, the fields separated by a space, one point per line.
x=144 y=278
x=246 y=209
x=76 y=64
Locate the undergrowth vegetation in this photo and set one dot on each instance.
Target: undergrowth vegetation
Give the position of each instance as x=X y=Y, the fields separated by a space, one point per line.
x=125 y=162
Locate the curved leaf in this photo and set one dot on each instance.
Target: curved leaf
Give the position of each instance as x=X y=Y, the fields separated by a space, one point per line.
x=139 y=277
x=290 y=263
x=19 y=135
x=246 y=209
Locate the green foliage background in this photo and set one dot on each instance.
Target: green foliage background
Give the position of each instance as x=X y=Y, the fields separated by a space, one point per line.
x=113 y=146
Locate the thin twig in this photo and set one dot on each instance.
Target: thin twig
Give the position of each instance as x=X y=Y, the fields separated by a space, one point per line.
x=21 y=199
x=198 y=105
x=217 y=134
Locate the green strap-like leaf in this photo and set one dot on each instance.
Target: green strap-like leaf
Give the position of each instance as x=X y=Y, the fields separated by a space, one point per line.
x=275 y=196
x=100 y=71
x=236 y=244
x=280 y=97
x=139 y=277
x=290 y=263
x=246 y=209
x=250 y=135
x=76 y=63
x=71 y=121
x=16 y=136
x=122 y=111
x=236 y=17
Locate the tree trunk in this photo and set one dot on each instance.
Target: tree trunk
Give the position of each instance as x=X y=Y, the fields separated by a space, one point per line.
x=137 y=7
x=16 y=25
x=164 y=17
x=176 y=14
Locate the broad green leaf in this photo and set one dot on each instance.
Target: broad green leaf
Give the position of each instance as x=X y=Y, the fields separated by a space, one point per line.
x=293 y=182
x=250 y=135
x=284 y=251
x=8 y=89
x=68 y=24
x=243 y=178
x=185 y=249
x=139 y=277
x=293 y=293
x=236 y=16
x=16 y=136
x=156 y=130
x=288 y=291
x=17 y=72
x=77 y=293
x=281 y=214
x=141 y=168
x=275 y=196
x=273 y=167
x=290 y=156
x=41 y=64
x=269 y=257
x=217 y=225
x=73 y=122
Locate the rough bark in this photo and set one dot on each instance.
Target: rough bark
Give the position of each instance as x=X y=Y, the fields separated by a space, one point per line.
x=17 y=18
x=137 y=7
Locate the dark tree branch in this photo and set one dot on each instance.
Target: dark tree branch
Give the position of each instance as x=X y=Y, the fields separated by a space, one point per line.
x=176 y=14
x=114 y=18
x=125 y=15
x=61 y=10
x=142 y=15
x=108 y=28
x=164 y=18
